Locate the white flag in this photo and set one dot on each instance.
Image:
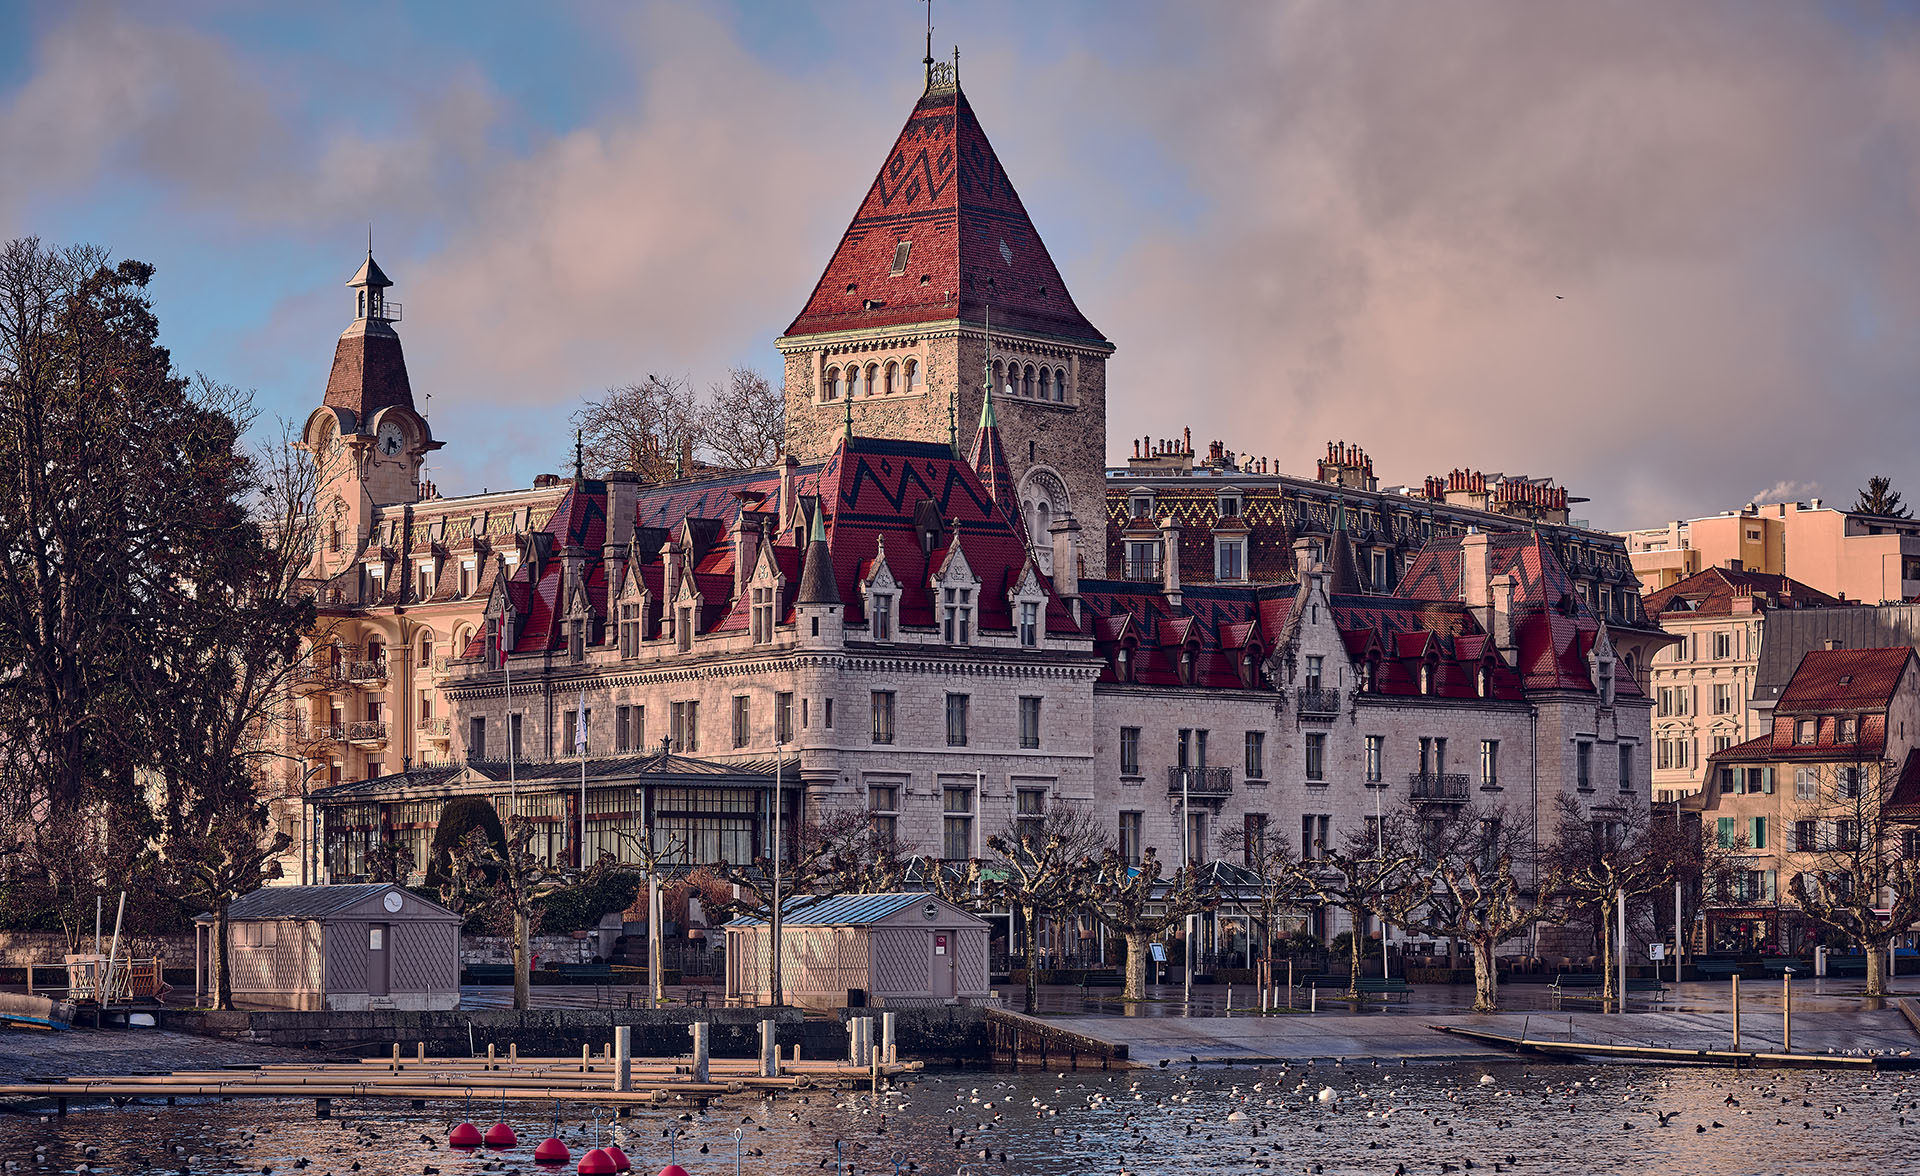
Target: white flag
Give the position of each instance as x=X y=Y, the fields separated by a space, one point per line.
x=580 y=725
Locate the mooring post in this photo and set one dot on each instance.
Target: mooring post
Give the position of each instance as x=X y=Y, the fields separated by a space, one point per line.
x=769 y=1050
x=419 y=1051
x=586 y=1056
x=1736 y=1010
x=623 y=1057
x=396 y=1056
x=490 y=1056
x=889 y=1051
x=700 y=1032
x=322 y=1108
x=796 y=1051
x=513 y=1051
x=1313 y=999
x=1786 y=1011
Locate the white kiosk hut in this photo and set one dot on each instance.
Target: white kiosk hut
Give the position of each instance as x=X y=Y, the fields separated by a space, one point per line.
x=893 y=950
x=337 y=948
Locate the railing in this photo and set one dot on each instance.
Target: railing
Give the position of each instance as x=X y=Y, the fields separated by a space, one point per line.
x=1319 y=702
x=1441 y=786
x=367 y=731
x=374 y=670
x=1200 y=781
x=318 y=732
x=440 y=728
x=1142 y=569
x=314 y=673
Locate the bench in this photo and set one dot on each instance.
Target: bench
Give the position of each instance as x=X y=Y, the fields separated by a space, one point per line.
x=488 y=973
x=1717 y=969
x=1777 y=967
x=594 y=973
x=1845 y=965
x=1367 y=986
x=1589 y=985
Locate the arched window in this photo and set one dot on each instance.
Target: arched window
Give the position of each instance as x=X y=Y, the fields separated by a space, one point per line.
x=833 y=387
x=1026 y=384
x=1042 y=522
x=1060 y=385
x=999 y=380
x=853 y=381
x=426 y=651
x=913 y=375
x=893 y=378
x=1046 y=384
x=361 y=302
x=873 y=379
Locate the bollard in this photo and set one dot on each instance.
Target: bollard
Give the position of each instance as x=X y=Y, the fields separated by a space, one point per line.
x=586 y=1056
x=853 y=1041
x=1313 y=999
x=623 y=1057
x=396 y=1056
x=769 y=1051
x=796 y=1051
x=700 y=1031
x=889 y=1051
x=419 y=1051
x=490 y=1057
x=1229 y=998
x=513 y=1051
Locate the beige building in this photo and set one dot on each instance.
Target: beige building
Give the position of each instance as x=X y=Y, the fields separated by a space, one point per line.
x=1702 y=684
x=1856 y=557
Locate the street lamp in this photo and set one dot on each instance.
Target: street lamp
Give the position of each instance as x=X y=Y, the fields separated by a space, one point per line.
x=1186 y=854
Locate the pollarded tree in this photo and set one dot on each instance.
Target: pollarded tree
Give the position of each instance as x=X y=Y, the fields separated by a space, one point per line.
x=1138 y=906
x=1372 y=869
x=509 y=879
x=1043 y=865
x=1857 y=874
x=1481 y=886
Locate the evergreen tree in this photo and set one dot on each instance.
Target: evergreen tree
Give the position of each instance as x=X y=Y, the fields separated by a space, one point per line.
x=1881 y=499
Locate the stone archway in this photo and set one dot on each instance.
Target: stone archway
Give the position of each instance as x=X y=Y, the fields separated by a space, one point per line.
x=1043 y=500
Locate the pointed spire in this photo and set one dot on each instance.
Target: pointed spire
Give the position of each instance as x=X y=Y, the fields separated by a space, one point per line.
x=848 y=398
x=989 y=458
x=817 y=583
x=579 y=472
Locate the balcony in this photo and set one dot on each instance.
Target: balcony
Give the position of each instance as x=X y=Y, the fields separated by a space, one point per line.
x=1318 y=703
x=305 y=732
x=310 y=676
x=1207 y=783
x=436 y=730
x=1147 y=570
x=1438 y=787
x=367 y=733
x=366 y=672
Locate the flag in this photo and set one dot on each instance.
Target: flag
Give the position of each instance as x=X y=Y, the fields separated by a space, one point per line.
x=580 y=726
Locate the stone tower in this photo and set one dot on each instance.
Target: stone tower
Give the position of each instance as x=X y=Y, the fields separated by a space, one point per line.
x=940 y=284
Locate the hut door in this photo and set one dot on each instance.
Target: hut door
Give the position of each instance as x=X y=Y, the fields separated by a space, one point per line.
x=942 y=946
x=379 y=951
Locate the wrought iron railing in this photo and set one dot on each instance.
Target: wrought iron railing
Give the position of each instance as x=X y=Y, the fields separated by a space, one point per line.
x=436 y=728
x=367 y=731
x=1319 y=702
x=367 y=670
x=1451 y=786
x=304 y=732
x=1200 y=781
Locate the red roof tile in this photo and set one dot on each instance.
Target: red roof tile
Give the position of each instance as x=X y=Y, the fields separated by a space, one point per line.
x=1711 y=593
x=1844 y=679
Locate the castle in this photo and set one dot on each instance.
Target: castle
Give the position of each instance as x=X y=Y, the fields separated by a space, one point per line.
x=941 y=609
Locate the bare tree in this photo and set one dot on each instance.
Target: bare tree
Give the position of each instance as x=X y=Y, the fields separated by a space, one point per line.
x=1044 y=866
x=1275 y=867
x=642 y=427
x=1372 y=870
x=1858 y=875
x=1477 y=871
x=510 y=880
x=1138 y=906
x=744 y=422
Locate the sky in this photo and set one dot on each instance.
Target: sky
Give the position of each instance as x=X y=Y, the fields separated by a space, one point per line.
x=1666 y=254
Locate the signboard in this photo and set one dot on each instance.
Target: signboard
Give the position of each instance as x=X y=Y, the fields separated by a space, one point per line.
x=1159 y=951
x=1656 y=951
x=939 y=945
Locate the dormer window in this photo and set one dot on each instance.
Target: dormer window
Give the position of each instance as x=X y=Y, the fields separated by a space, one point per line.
x=1429 y=673
x=1803 y=731
x=629 y=630
x=683 y=629
x=1606 y=682
x=763 y=605
x=1485 y=681
x=1230 y=506
x=577 y=639
x=1849 y=730
x=1140 y=507
x=956 y=616
x=1029 y=624
x=881 y=610
x=1186 y=665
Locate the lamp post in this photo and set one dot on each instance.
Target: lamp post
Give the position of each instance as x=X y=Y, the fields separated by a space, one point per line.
x=1380 y=849
x=1186 y=855
x=774 y=920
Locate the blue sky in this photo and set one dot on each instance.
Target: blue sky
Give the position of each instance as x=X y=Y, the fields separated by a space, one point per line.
x=1298 y=222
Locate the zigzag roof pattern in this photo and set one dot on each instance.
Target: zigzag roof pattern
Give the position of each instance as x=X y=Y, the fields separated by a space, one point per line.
x=942 y=192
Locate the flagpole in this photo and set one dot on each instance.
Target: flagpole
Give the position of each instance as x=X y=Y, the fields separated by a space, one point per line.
x=506 y=663
x=580 y=749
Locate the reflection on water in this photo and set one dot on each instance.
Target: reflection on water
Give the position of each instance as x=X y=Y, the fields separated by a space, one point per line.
x=1330 y=1119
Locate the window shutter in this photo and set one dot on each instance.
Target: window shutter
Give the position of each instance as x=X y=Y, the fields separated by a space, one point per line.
x=1766 y=780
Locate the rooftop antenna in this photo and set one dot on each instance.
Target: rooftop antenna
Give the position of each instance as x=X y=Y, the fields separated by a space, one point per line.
x=370 y=227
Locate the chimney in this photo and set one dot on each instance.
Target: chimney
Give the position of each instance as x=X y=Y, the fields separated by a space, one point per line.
x=623 y=501
x=788 y=464
x=1500 y=588
x=1170 y=558
x=1065 y=532
x=573 y=571
x=1736 y=565
x=1833 y=643
x=669 y=575
x=746 y=550
x=1476 y=569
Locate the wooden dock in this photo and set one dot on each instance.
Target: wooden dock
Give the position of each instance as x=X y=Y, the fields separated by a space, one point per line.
x=417 y=1079
x=1595 y=1051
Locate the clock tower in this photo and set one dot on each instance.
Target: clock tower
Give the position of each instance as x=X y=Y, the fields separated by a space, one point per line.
x=367 y=440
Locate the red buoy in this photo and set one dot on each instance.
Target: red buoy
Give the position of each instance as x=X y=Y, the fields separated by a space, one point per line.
x=551 y=1151
x=500 y=1137
x=466 y=1135
x=620 y=1161
x=674 y=1170
x=596 y=1163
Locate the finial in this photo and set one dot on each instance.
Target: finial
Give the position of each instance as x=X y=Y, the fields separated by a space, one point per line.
x=929 y=58
x=848 y=407
x=578 y=470
x=369 y=239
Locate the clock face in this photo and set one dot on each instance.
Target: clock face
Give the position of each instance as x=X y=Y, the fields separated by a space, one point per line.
x=393 y=901
x=391 y=438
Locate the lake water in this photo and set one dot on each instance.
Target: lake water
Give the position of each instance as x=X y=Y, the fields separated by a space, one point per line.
x=1500 y=1117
